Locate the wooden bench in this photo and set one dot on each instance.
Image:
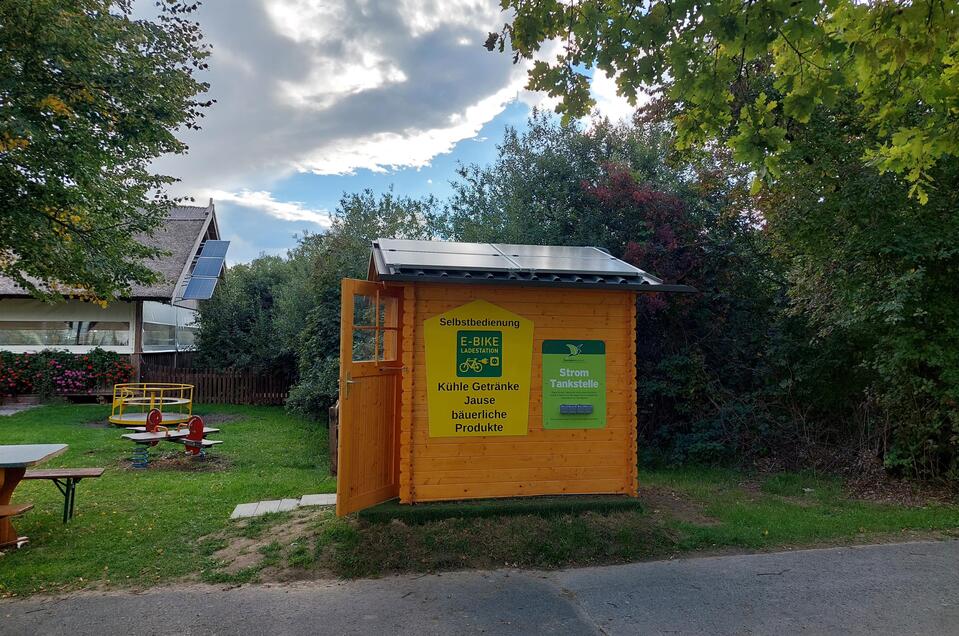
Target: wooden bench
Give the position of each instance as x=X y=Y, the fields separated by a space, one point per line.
x=66 y=480
x=14 y=510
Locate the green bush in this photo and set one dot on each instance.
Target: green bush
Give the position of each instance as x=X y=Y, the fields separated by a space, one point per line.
x=317 y=389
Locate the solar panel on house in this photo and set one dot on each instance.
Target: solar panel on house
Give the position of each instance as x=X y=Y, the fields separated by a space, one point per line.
x=207 y=266
x=200 y=288
x=215 y=249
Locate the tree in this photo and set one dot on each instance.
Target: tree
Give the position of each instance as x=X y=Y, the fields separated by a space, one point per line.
x=88 y=97
x=239 y=326
x=533 y=192
x=874 y=275
x=897 y=58
x=344 y=252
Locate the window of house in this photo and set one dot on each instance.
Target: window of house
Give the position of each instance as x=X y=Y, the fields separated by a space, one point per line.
x=157 y=336
x=52 y=333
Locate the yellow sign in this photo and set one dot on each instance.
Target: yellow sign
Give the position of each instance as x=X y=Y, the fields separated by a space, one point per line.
x=478 y=359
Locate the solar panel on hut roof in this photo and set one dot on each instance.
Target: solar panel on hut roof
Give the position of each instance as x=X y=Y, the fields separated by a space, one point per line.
x=435 y=247
x=502 y=257
x=405 y=259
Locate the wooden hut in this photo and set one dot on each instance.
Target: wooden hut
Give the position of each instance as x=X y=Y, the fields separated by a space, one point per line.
x=488 y=370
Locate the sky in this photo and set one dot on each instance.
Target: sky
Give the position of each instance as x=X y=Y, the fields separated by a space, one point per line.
x=315 y=98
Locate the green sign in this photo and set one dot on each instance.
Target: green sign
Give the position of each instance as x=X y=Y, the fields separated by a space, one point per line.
x=479 y=354
x=574 y=384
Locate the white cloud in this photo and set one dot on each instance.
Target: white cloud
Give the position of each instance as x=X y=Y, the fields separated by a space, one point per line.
x=408 y=148
x=610 y=104
x=264 y=202
x=333 y=86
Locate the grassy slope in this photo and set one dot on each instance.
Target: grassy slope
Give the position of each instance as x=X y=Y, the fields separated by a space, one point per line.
x=141 y=527
x=788 y=509
x=686 y=510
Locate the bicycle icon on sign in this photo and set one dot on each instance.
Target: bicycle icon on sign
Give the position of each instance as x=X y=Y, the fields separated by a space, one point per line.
x=473 y=365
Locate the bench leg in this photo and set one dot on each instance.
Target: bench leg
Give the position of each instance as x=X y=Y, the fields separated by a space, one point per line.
x=64 y=488
x=73 y=496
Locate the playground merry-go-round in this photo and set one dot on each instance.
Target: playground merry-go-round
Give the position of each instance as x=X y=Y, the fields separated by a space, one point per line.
x=134 y=400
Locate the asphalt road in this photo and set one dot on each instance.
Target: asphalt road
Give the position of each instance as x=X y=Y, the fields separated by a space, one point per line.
x=909 y=588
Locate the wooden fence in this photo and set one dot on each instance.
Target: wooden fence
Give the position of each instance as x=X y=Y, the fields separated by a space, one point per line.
x=226 y=387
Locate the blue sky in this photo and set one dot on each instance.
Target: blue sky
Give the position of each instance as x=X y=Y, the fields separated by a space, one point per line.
x=320 y=97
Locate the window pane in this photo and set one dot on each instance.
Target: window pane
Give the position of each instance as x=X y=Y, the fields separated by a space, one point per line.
x=102 y=333
x=389 y=311
x=363 y=311
x=37 y=332
x=363 y=344
x=157 y=336
x=186 y=337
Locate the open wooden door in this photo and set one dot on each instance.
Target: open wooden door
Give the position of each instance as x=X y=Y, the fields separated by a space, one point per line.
x=370 y=382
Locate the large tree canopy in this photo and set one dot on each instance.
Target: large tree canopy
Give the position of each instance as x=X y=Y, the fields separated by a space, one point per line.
x=899 y=58
x=88 y=97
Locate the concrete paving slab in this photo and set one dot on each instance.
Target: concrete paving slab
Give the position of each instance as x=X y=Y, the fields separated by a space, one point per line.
x=288 y=504
x=13 y=409
x=244 y=510
x=318 y=500
x=267 y=506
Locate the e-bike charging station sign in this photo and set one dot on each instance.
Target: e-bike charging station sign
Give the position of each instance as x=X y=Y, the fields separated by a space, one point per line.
x=478 y=360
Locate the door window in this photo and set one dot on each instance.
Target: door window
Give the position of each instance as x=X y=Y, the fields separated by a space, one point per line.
x=375 y=328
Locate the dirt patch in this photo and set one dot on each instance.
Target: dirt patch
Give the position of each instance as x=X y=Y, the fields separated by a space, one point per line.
x=238 y=555
x=863 y=475
x=877 y=486
x=247 y=552
x=666 y=503
x=180 y=461
x=96 y=424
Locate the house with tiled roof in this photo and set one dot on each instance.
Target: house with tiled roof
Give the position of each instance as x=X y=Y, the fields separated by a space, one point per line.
x=157 y=318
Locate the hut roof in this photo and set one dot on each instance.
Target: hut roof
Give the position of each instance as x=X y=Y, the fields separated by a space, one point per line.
x=500 y=263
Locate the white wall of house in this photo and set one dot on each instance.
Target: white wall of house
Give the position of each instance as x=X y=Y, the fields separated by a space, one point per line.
x=28 y=325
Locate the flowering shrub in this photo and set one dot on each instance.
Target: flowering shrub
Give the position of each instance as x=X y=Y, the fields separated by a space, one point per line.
x=61 y=372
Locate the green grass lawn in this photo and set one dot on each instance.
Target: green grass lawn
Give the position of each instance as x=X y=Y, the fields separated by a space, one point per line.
x=144 y=527
x=787 y=509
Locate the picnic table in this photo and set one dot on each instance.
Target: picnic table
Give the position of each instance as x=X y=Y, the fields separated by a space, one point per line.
x=14 y=460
